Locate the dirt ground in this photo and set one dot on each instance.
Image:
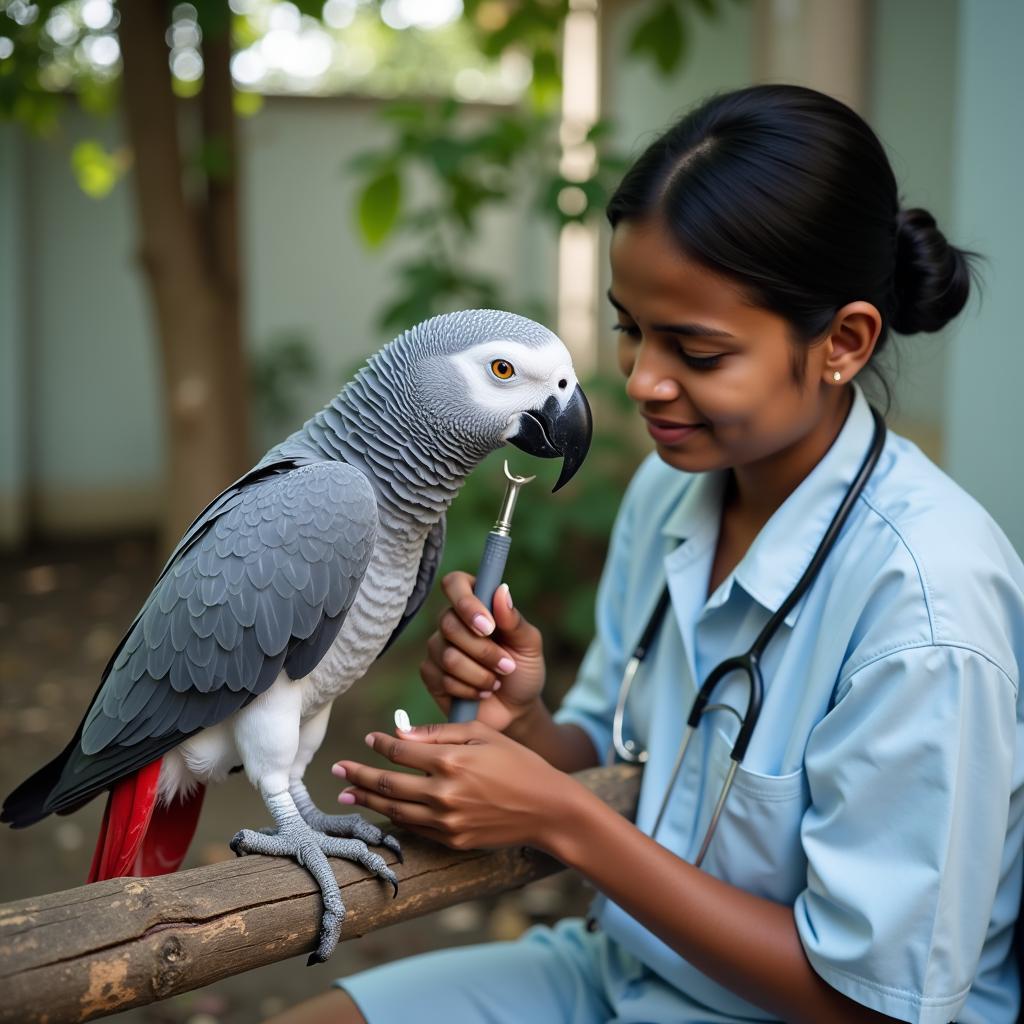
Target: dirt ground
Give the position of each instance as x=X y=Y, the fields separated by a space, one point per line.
x=62 y=611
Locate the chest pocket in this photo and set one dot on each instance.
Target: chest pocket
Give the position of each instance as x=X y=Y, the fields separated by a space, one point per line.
x=757 y=845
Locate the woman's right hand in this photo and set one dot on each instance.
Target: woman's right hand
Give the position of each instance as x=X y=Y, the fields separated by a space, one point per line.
x=496 y=659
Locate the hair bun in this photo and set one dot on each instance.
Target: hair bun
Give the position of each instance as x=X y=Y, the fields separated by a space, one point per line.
x=932 y=277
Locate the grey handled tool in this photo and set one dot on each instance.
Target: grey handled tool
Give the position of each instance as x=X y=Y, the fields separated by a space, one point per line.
x=492 y=568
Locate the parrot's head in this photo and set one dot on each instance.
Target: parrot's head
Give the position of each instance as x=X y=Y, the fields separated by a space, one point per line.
x=487 y=378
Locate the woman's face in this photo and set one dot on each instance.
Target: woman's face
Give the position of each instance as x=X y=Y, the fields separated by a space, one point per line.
x=711 y=375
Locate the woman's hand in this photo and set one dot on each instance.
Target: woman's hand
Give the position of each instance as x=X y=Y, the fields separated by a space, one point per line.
x=496 y=659
x=480 y=789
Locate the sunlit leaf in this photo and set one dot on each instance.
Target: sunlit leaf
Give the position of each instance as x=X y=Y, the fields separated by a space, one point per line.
x=378 y=207
x=96 y=170
x=246 y=104
x=546 y=84
x=186 y=90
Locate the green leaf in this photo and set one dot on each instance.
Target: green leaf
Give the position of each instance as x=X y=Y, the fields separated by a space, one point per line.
x=214 y=17
x=661 y=36
x=247 y=103
x=95 y=169
x=214 y=159
x=707 y=7
x=378 y=207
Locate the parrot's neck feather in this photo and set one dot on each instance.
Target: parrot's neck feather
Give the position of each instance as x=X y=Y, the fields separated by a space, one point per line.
x=376 y=424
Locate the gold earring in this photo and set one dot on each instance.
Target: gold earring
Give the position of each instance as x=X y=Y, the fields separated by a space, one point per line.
x=837 y=376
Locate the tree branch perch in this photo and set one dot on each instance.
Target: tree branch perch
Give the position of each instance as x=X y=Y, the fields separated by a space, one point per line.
x=103 y=948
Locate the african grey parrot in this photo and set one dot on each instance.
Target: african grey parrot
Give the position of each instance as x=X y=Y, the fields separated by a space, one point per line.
x=287 y=587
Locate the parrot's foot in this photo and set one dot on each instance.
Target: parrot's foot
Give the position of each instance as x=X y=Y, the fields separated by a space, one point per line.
x=355 y=827
x=294 y=838
x=346 y=825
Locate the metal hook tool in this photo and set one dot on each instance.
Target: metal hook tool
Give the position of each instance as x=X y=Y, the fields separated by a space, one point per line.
x=492 y=568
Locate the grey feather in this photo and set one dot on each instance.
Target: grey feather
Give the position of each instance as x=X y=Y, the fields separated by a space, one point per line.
x=223 y=645
x=430 y=562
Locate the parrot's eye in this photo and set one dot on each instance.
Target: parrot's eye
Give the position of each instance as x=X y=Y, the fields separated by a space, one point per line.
x=502 y=369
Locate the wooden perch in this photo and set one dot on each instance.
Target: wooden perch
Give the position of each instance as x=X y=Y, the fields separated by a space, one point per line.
x=102 y=948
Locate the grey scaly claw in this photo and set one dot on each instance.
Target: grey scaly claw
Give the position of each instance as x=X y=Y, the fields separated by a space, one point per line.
x=356 y=850
x=352 y=826
x=294 y=838
x=330 y=927
x=356 y=827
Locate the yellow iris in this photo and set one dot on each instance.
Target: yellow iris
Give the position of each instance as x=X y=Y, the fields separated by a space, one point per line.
x=502 y=369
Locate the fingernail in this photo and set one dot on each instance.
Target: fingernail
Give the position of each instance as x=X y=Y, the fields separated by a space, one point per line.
x=508 y=596
x=338 y=770
x=506 y=665
x=483 y=625
x=368 y=740
x=496 y=687
x=346 y=797
x=484 y=694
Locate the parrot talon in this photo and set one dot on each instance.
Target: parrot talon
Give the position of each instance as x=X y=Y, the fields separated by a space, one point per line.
x=294 y=838
x=330 y=928
x=345 y=826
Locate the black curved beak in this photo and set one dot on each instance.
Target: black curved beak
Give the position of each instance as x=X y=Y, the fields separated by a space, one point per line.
x=551 y=431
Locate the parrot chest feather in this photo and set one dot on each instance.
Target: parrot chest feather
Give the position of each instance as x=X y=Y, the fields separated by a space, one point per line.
x=378 y=608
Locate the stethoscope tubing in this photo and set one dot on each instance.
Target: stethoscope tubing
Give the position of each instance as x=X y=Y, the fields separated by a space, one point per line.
x=749 y=662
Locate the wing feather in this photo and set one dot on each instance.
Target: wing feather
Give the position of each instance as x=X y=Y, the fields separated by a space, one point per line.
x=219 y=627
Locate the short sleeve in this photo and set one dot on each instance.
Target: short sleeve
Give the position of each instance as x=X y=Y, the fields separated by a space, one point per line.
x=910 y=776
x=590 y=701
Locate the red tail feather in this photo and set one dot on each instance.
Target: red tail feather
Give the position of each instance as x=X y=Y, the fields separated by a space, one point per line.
x=139 y=838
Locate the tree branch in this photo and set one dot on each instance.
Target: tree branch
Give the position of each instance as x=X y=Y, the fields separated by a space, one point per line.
x=102 y=948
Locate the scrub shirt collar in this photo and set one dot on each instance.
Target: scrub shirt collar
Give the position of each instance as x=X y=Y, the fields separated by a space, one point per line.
x=786 y=543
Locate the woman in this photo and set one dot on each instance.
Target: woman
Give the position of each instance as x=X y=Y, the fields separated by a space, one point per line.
x=867 y=864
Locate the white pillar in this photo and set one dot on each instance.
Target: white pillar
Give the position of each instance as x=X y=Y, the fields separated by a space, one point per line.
x=817 y=43
x=578 y=243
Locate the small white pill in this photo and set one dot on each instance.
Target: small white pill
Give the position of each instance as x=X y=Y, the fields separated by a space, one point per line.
x=402 y=723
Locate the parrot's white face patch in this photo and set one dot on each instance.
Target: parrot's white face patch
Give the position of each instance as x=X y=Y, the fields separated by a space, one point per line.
x=538 y=373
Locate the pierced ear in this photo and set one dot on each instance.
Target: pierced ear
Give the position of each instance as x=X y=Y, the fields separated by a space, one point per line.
x=851 y=340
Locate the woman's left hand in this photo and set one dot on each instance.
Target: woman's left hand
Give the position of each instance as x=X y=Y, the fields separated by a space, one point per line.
x=480 y=789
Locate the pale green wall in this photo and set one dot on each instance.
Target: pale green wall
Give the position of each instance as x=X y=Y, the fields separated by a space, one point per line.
x=12 y=427
x=911 y=90
x=986 y=414
x=642 y=103
x=92 y=388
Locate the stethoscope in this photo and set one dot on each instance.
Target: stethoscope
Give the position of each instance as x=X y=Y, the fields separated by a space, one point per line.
x=748 y=663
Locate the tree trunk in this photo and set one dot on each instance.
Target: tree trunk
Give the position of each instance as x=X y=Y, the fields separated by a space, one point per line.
x=221 y=230
x=205 y=440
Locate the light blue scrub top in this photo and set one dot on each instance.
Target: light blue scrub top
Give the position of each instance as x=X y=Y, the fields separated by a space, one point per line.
x=881 y=795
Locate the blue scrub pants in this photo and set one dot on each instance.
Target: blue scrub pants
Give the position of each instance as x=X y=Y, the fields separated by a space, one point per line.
x=560 y=975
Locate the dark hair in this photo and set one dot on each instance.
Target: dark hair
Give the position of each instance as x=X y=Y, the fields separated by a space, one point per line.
x=789 y=193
